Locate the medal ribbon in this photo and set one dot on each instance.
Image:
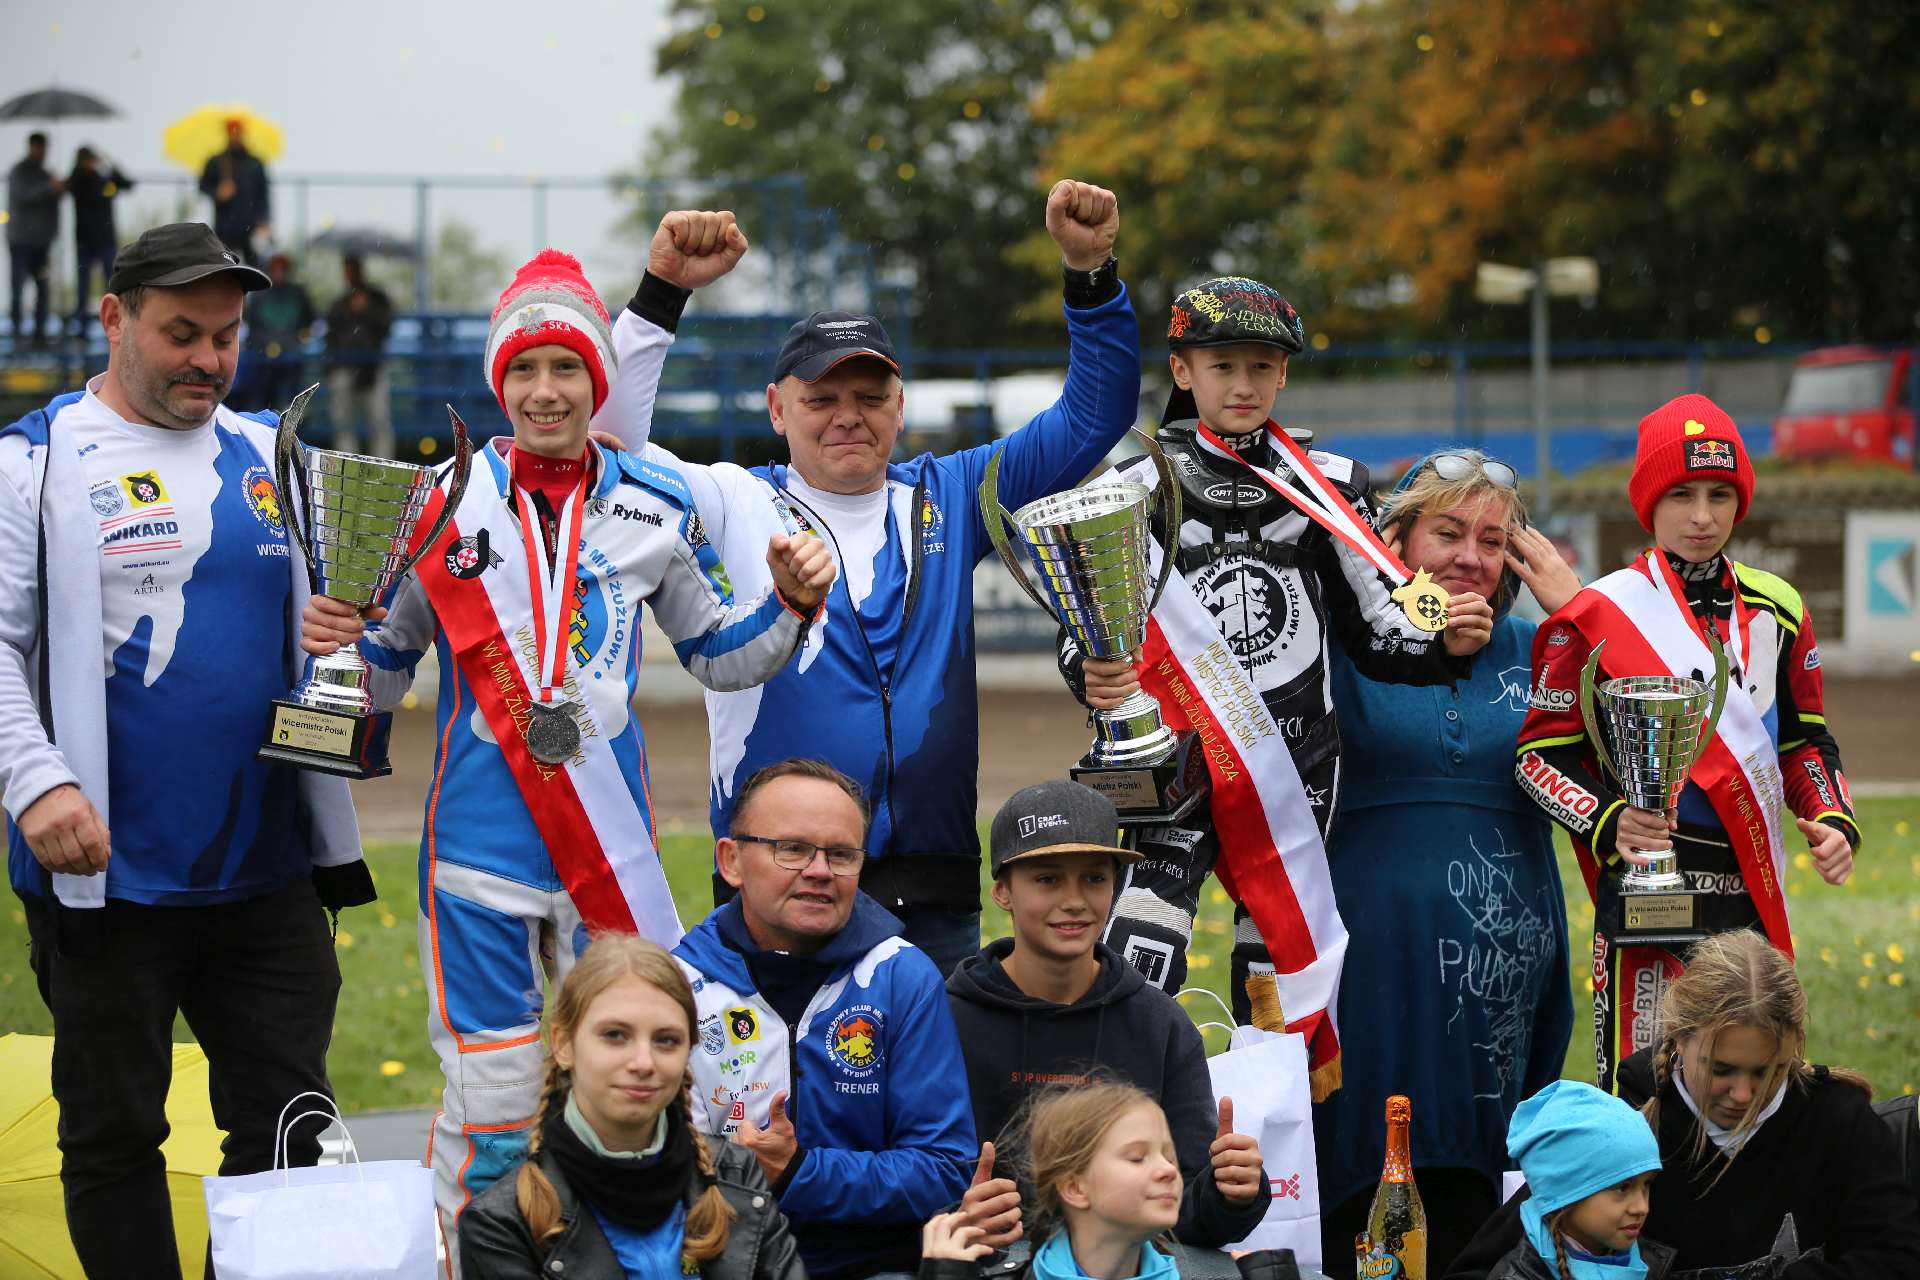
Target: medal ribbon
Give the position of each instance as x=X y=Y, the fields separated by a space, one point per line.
x=552 y=596
x=1321 y=504
x=1738 y=624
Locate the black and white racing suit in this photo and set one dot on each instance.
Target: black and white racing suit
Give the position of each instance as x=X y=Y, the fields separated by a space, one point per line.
x=1272 y=580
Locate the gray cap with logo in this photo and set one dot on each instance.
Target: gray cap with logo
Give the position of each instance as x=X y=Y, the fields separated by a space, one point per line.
x=1057 y=816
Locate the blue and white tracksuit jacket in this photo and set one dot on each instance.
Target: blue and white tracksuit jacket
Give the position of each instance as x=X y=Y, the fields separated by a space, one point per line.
x=874 y=1077
x=495 y=917
x=890 y=700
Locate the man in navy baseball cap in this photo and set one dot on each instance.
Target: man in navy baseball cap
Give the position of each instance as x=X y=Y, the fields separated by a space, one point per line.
x=820 y=343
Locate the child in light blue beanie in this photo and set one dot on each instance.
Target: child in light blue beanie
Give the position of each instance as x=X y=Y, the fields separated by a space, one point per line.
x=1588 y=1158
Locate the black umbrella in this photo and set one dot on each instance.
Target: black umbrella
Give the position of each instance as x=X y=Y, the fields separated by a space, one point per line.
x=364 y=242
x=56 y=104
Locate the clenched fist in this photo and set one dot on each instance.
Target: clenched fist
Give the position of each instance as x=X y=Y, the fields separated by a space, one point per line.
x=802 y=569
x=695 y=247
x=1083 y=220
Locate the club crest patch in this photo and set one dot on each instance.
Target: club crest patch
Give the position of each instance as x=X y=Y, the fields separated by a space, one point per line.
x=107 y=499
x=853 y=1039
x=713 y=1037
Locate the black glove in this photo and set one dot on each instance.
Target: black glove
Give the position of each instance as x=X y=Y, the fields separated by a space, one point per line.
x=348 y=885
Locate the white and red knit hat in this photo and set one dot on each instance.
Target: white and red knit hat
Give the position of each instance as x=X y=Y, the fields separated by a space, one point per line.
x=550 y=303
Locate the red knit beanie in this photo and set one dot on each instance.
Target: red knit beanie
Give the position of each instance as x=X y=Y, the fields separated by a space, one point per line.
x=1688 y=438
x=550 y=303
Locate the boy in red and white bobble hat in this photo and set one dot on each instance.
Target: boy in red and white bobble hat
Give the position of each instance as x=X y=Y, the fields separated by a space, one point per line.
x=1692 y=483
x=541 y=830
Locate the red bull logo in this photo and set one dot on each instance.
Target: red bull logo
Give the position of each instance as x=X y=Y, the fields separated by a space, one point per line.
x=1710 y=455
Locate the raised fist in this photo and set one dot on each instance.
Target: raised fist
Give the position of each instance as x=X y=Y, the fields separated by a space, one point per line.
x=695 y=247
x=1083 y=220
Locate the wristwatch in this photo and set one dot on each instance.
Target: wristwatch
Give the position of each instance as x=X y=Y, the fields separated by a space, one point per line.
x=1091 y=288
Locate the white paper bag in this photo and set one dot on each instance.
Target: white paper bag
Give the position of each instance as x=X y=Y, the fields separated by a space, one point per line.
x=1266 y=1076
x=349 y=1221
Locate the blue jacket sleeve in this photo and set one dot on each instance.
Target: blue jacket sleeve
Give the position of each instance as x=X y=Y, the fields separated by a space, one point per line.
x=1067 y=439
x=928 y=1147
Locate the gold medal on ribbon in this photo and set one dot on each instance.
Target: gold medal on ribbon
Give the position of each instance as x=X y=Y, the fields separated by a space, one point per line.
x=1424 y=602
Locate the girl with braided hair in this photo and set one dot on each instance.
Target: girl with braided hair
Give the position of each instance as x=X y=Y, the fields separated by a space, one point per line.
x=617 y=1185
x=1771 y=1168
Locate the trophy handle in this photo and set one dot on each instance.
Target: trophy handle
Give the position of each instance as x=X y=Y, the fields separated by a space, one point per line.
x=462 y=470
x=1719 y=693
x=1167 y=498
x=1589 y=715
x=996 y=518
x=295 y=506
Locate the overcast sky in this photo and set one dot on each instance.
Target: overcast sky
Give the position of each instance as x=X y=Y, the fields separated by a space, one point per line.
x=399 y=89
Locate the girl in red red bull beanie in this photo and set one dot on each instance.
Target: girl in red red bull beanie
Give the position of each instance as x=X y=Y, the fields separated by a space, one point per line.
x=1692 y=483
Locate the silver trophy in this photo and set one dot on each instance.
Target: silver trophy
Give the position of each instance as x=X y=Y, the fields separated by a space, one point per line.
x=1088 y=549
x=1658 y=726
x=353 y=519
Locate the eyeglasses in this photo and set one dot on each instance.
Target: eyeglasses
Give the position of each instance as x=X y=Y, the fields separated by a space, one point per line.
x=798 y=855
x=1458 y=466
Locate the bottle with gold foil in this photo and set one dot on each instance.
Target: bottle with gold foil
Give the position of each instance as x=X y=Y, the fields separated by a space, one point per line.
x=1397 y=1222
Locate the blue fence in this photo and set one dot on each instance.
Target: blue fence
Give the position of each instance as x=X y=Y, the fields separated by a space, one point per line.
x=1380 y=403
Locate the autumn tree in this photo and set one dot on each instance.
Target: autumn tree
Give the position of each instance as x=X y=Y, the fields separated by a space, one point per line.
x=1201 y=115
x=910 y=121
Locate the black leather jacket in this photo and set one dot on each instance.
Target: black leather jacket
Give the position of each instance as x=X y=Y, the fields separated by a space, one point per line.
x=494 y=1241
x=1523 y=1262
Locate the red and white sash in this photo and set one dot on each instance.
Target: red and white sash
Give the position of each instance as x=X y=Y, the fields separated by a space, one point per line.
x=598 y=837
x=1271 y=858
x=1648 y=629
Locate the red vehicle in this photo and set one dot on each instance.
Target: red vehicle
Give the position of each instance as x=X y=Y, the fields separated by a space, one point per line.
x=1848 y=402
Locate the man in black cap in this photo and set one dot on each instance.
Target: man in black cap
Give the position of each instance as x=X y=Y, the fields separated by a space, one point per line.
x=885 y=688
x=164 y=870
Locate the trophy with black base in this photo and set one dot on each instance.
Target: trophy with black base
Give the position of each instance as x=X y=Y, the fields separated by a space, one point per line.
x=1088 y=549
x=1647 y=732
x=352 y=518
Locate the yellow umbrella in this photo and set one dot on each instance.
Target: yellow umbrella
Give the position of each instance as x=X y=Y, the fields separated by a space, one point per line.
x=33 y=1220
x=201 y=134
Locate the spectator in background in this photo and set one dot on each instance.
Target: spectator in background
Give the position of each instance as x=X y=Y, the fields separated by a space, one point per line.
x=236 y=181
x=94 y=184
x=279 y=320
x=357 y=326
x=33 y=216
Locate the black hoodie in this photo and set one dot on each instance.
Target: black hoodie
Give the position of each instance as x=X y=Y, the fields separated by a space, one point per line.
x=1121 y=1028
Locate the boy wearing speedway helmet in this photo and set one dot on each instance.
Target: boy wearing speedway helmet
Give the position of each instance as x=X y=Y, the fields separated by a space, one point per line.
x=1275 y=544
x=539 y=826
x=1692 y=483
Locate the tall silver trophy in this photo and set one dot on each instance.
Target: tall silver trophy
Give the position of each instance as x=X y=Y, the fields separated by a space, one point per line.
x=352 y=518
x=1087 y=548
x=1648 y=731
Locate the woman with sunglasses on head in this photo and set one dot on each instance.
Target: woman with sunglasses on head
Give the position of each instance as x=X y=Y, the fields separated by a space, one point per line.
x=1455 y=990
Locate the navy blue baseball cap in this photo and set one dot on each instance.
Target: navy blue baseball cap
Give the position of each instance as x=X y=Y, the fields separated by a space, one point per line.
x=826 y=338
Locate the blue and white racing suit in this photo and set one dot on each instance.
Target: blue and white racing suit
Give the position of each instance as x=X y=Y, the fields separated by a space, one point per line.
x=496 y=919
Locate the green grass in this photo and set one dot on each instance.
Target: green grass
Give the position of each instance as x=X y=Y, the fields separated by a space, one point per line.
x=1859 y=955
